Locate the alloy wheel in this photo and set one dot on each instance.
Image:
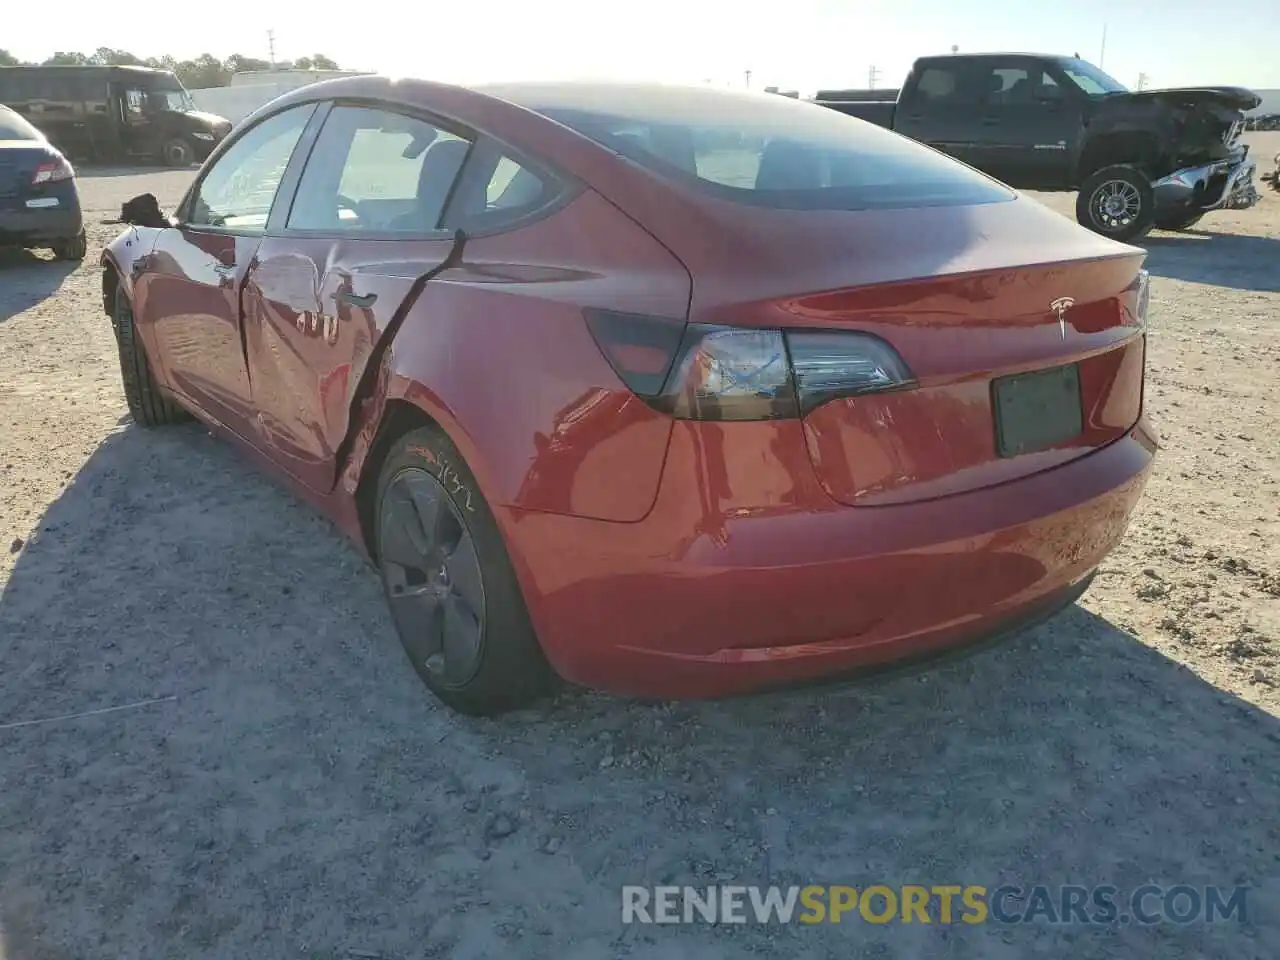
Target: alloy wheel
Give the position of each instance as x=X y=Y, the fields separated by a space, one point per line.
x=1116 y=204
x=432 y=575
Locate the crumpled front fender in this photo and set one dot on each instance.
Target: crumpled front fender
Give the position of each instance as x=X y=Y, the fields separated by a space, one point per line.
x=126 y=255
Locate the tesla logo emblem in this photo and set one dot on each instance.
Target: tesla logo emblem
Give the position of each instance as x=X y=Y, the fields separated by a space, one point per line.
x=1060 y=307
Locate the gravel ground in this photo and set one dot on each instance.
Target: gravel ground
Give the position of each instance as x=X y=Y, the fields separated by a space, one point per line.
x=294 y=792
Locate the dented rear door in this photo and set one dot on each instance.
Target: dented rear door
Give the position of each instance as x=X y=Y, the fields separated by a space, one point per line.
x=326 y=287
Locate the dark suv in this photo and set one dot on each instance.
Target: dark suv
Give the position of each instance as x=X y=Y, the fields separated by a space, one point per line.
x=39 y=203
x=114 y=114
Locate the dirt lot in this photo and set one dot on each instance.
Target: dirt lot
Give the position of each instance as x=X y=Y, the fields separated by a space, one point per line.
x=293 y=792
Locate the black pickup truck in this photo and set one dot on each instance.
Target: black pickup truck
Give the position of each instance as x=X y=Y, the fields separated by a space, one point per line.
x=1160 y=158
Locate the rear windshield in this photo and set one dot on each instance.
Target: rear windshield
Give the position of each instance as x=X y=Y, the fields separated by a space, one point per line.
x=13 y=127
x=771 y=151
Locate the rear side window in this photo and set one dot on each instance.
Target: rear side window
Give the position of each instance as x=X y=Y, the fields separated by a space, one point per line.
x=374 y=171
x=13 y=127
x=941 y=85
x=497 y=190
x=776 y=152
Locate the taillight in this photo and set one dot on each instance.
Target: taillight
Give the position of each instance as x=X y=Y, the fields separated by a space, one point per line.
x=1138 y=301
x=639 y=348
x=743 y=373
x=730 y=373
x=829 y=365
x=53 y=170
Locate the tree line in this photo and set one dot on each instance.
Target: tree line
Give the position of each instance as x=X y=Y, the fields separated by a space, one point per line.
x=205 y=70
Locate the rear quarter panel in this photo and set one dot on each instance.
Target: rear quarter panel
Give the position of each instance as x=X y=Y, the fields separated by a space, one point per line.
x=498 y=352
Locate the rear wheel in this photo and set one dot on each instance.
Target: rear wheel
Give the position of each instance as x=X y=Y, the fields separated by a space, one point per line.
x=450 y=584
x=1181 y=222
x=73 y=249
x=178 y=152
x=148 y=405
x=1117 y=202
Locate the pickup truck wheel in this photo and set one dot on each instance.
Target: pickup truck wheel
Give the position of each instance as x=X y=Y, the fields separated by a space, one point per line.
x=1178 y=223
x=1116 y=202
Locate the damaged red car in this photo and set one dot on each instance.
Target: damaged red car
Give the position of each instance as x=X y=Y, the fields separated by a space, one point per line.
x=675 y=392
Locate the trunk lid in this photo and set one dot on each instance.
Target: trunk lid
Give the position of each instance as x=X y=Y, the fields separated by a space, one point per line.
x=1017 y=324
x=18 y=162
x=1018 y=370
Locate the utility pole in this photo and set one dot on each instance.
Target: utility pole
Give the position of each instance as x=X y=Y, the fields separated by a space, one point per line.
x=271 y=47
x=1142 y=81
x=748 y=77
x=872 y=76
x=1102 y=54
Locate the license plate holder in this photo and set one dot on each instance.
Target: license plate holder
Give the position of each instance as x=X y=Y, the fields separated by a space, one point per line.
x=1036 y=410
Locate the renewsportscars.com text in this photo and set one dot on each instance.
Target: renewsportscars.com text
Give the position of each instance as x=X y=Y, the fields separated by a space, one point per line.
x=942 y=903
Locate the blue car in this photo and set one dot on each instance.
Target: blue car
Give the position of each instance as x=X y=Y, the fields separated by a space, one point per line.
x=39 y=202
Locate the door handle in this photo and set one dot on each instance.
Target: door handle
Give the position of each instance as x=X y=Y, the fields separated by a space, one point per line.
x=356 y=299
x=990 y=121
x=915 y=116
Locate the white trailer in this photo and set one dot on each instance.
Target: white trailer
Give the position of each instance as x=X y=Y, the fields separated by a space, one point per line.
x=251 y=89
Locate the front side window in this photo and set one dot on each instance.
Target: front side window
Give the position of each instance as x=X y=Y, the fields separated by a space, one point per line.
x=373 y=171
x=772 y=151
x=1090 y=79
x=176 y=101
x=1017 y=86
x=240 y=187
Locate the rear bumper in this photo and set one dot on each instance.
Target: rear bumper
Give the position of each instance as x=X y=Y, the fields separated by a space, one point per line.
x=706 y=598
x=32 y=227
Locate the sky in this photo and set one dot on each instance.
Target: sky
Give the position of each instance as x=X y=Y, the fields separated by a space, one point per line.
x=795 y=44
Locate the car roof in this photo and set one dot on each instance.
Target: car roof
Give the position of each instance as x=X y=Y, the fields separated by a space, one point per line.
x=604 y=96
x=607 y=96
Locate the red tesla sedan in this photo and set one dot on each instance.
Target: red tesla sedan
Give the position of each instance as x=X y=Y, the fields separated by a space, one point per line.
x=666 y=391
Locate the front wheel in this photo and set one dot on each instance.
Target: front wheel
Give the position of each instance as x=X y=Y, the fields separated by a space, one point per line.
x=1117 y=202
x=450 y=583
x=178 y=152
x=1180 y=222
x=147 y=403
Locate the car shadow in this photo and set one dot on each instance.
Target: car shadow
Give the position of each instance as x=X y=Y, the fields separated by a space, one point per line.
x=1217 y=259
x=278 y=782
x=29 y=278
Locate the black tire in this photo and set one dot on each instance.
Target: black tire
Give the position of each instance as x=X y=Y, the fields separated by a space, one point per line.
x=73 y=249
x=449 y=581
x=178 y=152
x=1181 y=222
x=148 y=405
x=1117 y=202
